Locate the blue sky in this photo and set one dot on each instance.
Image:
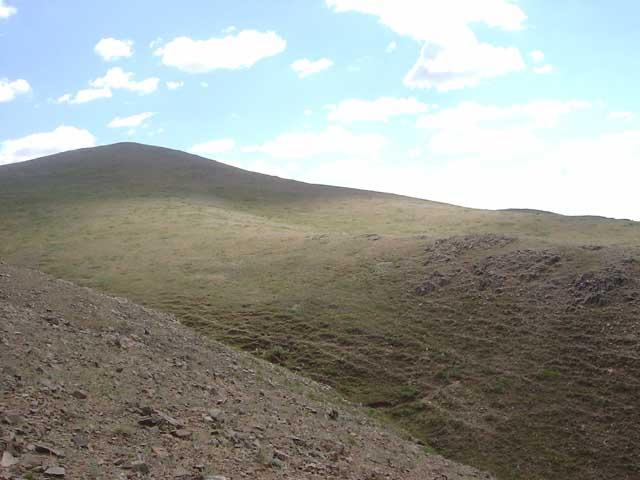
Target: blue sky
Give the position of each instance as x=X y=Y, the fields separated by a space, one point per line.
x=484 y=103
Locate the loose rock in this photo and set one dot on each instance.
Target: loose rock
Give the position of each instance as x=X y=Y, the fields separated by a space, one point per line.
x=55 y=472
x=8 y=460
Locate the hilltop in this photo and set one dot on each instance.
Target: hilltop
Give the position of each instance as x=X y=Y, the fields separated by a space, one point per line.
x=502 y=339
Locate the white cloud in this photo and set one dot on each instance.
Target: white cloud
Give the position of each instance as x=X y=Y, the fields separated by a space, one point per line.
x=7 y=10
x=308 y=112
x=504 y=143
x=560 y=177
x=534 y=114
x=380 y=110
x=85 y=95
x=500 y=157
x=537 y=56
x=330 y=142
x=156 y=42
x=454 y=68
x=442 y=23
x=475 y=130
x=231 y=52
x=391 y=47
x=131 y=121
x=204 y=84
x=174 y=85
x=305 y=67
x=116 y=78
x=214 y=147
x=482 y=156
x=452 y=57
x=36 y=145
x=568 y=173
x=415 y=152
x=621 y=115
x=112 y=49
x=544 y=69
x=10 y=89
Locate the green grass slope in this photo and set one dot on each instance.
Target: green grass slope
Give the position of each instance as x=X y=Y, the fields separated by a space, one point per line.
x=458 y=324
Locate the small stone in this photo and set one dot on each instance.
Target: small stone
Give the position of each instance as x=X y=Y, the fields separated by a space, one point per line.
x=169 y=420
x=80 y=394
x=47 y=450
x=55 y=472
x=149 y=421
x=216 y=415
x=181 y=433
x=155 y=417
x=8 y=460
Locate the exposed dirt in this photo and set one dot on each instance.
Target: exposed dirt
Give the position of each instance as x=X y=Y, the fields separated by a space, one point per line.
x=97 y=387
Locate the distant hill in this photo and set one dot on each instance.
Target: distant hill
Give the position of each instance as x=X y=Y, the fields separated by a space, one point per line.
x=503 y=339
x=144 y=169
x=130 y=170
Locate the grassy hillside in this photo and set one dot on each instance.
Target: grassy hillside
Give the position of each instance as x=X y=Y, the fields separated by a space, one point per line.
x=510 y=344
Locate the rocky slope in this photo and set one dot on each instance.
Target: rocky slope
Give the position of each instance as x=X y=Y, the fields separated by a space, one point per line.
x=96 y=387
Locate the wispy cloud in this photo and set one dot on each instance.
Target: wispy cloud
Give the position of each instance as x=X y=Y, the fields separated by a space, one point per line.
x=305 y=67
x=115 y=79
x=175 y=85
x=131 y=121
x=379 y=110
